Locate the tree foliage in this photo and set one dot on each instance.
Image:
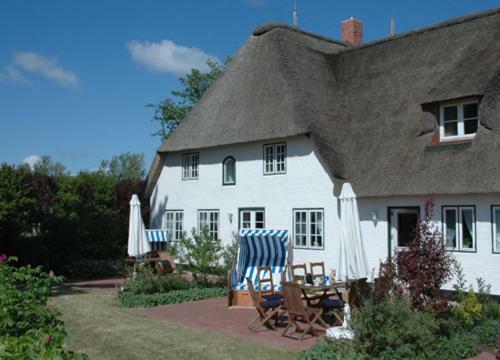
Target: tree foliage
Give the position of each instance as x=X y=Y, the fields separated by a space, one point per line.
x=425 y=266
x=74 y=224
x=171 y=111
x=125 y=167
x=48 y=167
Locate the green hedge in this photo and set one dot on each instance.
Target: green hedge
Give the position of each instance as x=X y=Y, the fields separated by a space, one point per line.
x=173 y=297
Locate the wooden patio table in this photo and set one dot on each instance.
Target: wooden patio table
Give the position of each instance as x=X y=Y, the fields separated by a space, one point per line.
x=336 y=285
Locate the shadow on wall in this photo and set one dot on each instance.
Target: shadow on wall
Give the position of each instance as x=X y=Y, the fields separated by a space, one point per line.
x=157 y=207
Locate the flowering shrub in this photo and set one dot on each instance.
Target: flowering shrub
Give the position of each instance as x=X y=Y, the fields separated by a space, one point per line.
x=28 y=328
x=425 y=266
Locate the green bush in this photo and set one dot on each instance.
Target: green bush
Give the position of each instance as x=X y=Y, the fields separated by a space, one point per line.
x=394 y=330
x=129 y=299
x=201 y=253
x=147 y=281
x=28 y=328
x=36 y=345
x=328 y=349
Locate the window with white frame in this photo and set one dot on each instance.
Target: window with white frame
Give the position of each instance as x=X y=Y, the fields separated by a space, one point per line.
x=275 y=159
x=252 y=218
x=458 y=120
x=495 y=217
x=209 y=219
x=190 y=164
x=229 y=171
x=174 y=220
x=308 y=227
x=459 y=227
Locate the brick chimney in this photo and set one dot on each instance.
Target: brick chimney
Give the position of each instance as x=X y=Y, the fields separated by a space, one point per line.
x=352 y=31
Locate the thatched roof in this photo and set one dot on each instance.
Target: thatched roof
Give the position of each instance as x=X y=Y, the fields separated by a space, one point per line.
x=368 y=109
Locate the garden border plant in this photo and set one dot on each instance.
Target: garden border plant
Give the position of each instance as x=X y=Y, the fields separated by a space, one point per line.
x=29 y=329
x=201 y=254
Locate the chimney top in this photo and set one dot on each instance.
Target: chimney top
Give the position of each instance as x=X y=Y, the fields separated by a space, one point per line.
x=352 y=31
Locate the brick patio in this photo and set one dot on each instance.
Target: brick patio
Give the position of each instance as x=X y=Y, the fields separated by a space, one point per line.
x=213 y=314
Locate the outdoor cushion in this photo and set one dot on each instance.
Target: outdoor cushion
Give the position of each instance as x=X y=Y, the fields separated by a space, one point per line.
x=333 y=303
x=271 y=297
x=271 y=304
x=266 y=287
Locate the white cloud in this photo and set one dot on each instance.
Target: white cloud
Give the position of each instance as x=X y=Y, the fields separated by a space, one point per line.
x=31 y=160
x=168 y=57
x=13 y=74
x=45 y=66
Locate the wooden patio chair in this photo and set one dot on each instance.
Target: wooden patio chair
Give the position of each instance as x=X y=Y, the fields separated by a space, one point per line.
x=263 y=280
x=301 y=317
x=320 y=272
x=267 y=309
x=295 y=272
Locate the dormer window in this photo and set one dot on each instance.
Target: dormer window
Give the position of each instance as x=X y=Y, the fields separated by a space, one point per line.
x=458 y=121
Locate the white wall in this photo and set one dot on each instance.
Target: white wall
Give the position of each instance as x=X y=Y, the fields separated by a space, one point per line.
x=482 y=263
x=305 y=185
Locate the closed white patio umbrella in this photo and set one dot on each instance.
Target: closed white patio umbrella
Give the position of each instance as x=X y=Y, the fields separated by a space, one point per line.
x=138 y=243
x=352 y=257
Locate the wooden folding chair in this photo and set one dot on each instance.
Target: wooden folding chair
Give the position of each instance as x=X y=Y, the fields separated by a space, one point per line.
x=266 y=309
x=295 y=272
x=299 y=314
x=263 y=280
x=317 y=270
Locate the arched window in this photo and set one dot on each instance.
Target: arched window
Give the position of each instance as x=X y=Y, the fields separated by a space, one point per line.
x=229 y=171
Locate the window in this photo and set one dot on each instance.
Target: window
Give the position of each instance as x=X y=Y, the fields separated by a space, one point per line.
x=496 y=228
x=252 y=218
x=459 y=227
x=209 y=219
x=308 y=228
x=229 y=171
x=174 y=223
x=458 y=121
x=190 y=166
x=402 y=223
x=275 y=159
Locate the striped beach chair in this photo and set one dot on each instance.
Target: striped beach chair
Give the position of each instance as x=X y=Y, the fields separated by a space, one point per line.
x=260 y=248
x=158 y=239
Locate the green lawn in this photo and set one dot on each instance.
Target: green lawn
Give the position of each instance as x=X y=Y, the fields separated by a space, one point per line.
x=98 y=326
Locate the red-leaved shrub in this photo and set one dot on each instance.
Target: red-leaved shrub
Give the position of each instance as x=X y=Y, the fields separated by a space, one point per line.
x=425 y=266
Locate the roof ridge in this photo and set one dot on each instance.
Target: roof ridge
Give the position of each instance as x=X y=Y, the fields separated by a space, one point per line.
x=440 y=25
x=265 y=28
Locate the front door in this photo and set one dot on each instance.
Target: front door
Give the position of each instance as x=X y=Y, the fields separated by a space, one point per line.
x=252 y=218
x=402 y=225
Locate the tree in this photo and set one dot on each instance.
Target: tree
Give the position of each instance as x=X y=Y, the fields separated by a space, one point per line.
x=125 y=167
x=46 y=166
x=171 y=111
x=425 y=266
x=16 y=204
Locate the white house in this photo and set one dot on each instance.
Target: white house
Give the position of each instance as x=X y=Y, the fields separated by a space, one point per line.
x=295 y=115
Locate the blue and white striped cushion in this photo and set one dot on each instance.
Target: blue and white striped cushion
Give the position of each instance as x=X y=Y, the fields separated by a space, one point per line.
x=260 y=248
x=157 y=235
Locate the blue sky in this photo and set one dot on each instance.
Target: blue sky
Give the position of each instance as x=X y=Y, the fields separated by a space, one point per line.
x=75 y=75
